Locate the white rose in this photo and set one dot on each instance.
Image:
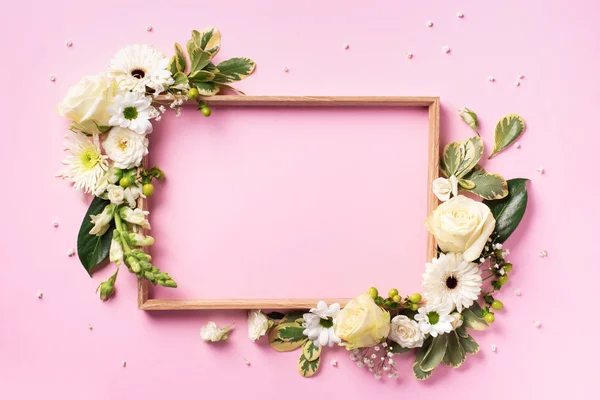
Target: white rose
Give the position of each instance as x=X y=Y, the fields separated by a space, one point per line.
x=85 y=103
x=212 y=333
x=457 y=320
x=116 y=194
x=443 y=188
x=461 y=225
x=258 y=324
x=125 y=147
x=406 y=332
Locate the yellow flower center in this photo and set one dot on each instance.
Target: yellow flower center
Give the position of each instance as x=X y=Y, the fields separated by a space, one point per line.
x=123 y=144
x=89 y=158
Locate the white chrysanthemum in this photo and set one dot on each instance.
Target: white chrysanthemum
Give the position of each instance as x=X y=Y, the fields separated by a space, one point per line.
x=318 y=324
x=451 y=281
x=434 y=320
x=85 y=165
x=135 y=67
x=125 y=147
x=132 y=110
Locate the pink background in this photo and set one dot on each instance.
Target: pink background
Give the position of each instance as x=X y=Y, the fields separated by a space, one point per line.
x=46 y=348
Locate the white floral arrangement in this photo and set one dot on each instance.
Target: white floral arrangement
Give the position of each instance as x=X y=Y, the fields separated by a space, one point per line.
x=456 y=298
x=112 y=116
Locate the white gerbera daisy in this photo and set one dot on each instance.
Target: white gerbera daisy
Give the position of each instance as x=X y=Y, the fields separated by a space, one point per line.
x=452 y=281
x=132 y=110
x=125 y=147
x=135 y=67
x=86 y=164
x=434 y=320
x=318 y=324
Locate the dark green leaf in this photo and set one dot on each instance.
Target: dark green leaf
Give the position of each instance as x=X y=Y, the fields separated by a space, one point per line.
x=395 y=348
x=92 y=249
x=510 y=210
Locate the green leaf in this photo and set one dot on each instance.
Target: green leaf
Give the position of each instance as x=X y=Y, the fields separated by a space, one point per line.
x=419 y=373
x=287 y=335
x=173 y=66
x=455 y=354
x=234 y=69
x=395 y=348
x=205 y=88
x=199 y=59
x=470 y=118
x=310 y=351
x=487 y=185
x=308 y=368
x=435 y=353
x=467 y=342
x=466 y=184
x=208 y=40
x=231 y=88
x=180 y=79
x=509 y=211
x=92 y=249
x=200 y=77
x=473 y=318
x=508 y=129
x=180 y=62
x=460 y=157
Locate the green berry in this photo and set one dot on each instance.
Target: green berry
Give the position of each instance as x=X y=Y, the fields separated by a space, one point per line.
x=503 y=280
x=397 y=298
x=392 y=293
x=414 y=306
x=489 y=318
x=414 y=298
x=125 y=182
x=206 y=111
x=508 y=267
x=193 y=93
x=497 y=305
x=148 y=189
x=373 y=292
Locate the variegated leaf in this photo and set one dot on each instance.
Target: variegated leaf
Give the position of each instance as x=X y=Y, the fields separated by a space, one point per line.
x=510 y=210
x=466 y=184
x=206 y=88
x=435 y=353
x=470 y=118
x=487 y=185
x=310 y=351
x=473 y=318
x=395 y=348
x=208 y=40
x=231 y=88
x=199 y=59
x=200 y=76
x=180 y=78
x=287 y=335
x=234 y=69
x=419 y=373
x=455 y=354
x=180 y=62
x=460 y=157
x=173 y=66
x=508 y=129
x=467 y=342
x=308 y=368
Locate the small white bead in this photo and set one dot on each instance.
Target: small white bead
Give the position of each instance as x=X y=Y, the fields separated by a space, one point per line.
x=390 y=354
x=71 y=252
x=40 y=294
x=90 y=327
x=55 y=223
x=429 y=24
x=69 y=43
x=520 y=76
x=543 y=254
x=537 y=324
x=384 y=344
x=517 y=292
x=446 y=49
x=494 y=348
x=149 y=28
x=124 y=363
x=460 y=15
x=346 y=46
x=491 y=79
x=518 y=145
x=409 y=55
x=517 y=83
x=540 y=170
x=52 y=78
x=286 y=69
x=334 y=363
x=246 y=361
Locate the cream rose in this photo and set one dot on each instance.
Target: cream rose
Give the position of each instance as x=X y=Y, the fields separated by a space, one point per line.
x=258 y=325
x=85 y=103
x=461 y=225
x=125 y=147
x=443 y=188
x=406 y=332
x=362 y=323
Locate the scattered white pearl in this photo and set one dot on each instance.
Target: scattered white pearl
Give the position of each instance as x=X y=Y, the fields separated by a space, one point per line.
x=537 y=324
x=494 y=348
x=460 y=15
x=90 y=327
x=71 y=252
x=517 y=83
x=246 y=361
x=286 y=69
x=409 y=55
x=69 y=43
x=518 y=145
x=40 y=294
x=346 y=46
x=149 y=28
x=52 y=78
x=543 y=254
x=446 y=49
x=540 y=170
x=491 y=79
x=520 y=76
x=124 y=363
x=429 y=24
x=334 y=363
x=517 y=292
x=55 y=223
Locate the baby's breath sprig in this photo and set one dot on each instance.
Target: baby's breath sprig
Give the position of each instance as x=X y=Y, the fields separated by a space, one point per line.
x=493 y=258
x=378 y=359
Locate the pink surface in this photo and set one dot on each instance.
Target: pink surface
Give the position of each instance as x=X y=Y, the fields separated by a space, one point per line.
x=46 y=348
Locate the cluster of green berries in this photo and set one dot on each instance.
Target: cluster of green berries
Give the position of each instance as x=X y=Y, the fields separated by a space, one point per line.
x=202 y=106
x=394 y=300
x=130 y=176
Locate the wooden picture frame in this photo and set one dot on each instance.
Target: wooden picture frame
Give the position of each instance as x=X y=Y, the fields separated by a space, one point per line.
x=433 y=105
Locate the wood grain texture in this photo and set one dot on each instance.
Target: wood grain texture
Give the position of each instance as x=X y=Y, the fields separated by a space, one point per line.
x=433 y=104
